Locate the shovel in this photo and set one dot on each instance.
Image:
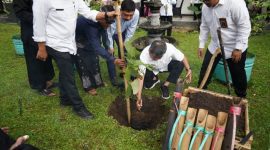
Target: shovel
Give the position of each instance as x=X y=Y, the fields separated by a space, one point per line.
x=224 y=60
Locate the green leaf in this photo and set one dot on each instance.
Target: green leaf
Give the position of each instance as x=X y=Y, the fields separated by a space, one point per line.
x=135 y=86
x=128 y=91
x=266 y=4
x=128 y=73
x=193 y=8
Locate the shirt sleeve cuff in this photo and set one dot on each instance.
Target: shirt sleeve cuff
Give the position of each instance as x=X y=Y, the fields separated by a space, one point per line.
x=201 y=45
x=94 y=15
x=39 y=39
x=142 y=70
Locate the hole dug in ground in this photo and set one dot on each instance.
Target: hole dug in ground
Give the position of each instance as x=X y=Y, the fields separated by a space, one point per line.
x=152 y=113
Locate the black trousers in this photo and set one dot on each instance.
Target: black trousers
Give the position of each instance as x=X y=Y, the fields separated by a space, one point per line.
x=237 y=71
x=1 y=6
x=6 y=142
x=110 y=63
x=87 y=64
x=169 y=19
x=175 y=69
x=68 y=89
x=38 y=71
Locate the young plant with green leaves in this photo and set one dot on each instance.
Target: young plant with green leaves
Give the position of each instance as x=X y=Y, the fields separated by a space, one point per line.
x=132 y=70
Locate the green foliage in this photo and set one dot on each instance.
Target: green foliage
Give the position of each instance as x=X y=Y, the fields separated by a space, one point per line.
x=258 y=17
x=195 y=9
x=96 y=4
x=132 y=70
x=133 y=64
x=128 y=92
x=135 y=86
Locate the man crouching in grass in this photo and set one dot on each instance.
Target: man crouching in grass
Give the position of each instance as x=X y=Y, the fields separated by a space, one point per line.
x=163 y=57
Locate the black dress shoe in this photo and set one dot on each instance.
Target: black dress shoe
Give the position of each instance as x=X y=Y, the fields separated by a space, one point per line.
x=84 y=113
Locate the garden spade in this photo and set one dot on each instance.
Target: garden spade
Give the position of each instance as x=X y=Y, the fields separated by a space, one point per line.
x=122 y=55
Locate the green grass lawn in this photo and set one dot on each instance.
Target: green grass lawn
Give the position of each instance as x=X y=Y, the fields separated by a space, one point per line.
x=53 y=127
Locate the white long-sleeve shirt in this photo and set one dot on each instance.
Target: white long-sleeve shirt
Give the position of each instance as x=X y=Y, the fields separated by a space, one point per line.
x=160 y=65
x=166 y=9
x=55 y=22
x=235 y=36
x=128 y=26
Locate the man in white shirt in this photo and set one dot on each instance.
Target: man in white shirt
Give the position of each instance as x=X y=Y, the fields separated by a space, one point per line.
x=130 y=17
x=233 y=18
x=54 y=26
x=162 y=57
x=166 y=13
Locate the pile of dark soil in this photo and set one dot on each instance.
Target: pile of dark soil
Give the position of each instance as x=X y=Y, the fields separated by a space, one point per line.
x=152 y=113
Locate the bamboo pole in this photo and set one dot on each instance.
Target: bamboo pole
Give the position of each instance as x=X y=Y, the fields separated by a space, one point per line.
x=200 y=123
x=191 y=115
x=209 y=68
x=122 y=54
x=247 y=130
x=219 y=132
x=183 y=106
x=210 y=128
x=231 y=98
